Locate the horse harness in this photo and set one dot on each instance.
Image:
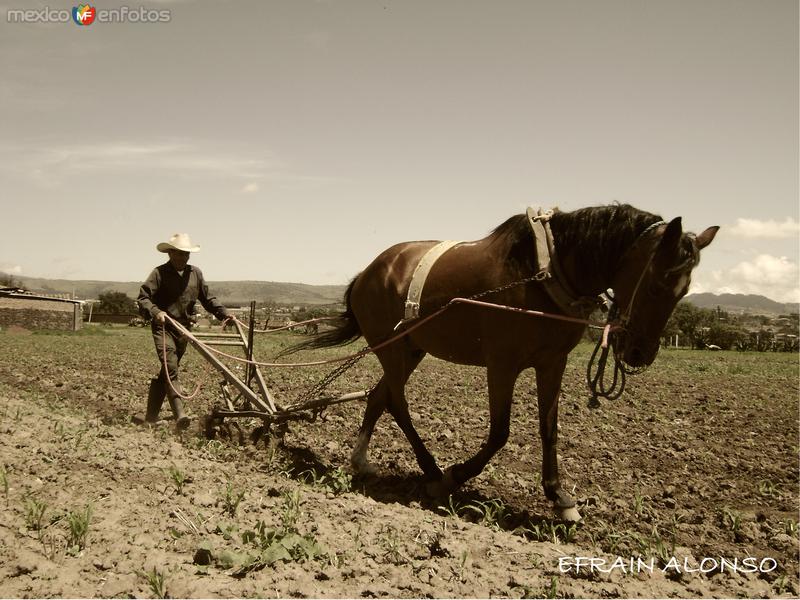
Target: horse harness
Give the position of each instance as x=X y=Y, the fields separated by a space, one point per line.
x=550 y=274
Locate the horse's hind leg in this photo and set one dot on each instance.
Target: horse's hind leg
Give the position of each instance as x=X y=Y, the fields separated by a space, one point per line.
x=398 y=364
x=398 y=407
x=501 y=390
x=376 y=404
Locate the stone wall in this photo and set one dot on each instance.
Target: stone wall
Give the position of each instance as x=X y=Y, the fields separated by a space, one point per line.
x=40 y=314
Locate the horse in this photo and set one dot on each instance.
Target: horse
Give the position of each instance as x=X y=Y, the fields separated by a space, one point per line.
x=646 y=262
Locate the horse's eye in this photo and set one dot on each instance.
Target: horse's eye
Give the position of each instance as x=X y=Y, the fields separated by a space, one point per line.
x=656 y=288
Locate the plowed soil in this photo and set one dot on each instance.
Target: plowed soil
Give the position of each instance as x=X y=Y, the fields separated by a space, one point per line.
x=688 y=477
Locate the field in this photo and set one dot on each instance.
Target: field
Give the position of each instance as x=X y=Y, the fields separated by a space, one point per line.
x=696 y=463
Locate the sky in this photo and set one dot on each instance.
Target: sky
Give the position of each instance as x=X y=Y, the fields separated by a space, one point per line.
x=296 y=140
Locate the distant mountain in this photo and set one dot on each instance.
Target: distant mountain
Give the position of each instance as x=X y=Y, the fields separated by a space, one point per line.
x=743 y=303
x=231 y=293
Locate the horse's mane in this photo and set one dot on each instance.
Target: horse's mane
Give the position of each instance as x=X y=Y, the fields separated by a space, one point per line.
x=599 y=235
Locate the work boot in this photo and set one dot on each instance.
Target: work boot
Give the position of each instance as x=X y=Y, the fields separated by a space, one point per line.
x=181 y=420
x=155 y=398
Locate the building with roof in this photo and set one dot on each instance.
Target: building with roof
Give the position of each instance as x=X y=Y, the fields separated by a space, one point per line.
x=31 y=311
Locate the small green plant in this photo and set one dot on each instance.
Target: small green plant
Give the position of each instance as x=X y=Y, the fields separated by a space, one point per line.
x=178 y=478
x=551 y=591
x=492 y=512
x=290 y=511
x=4 y=482
x=391 y=543
x=453 y=508
x=565 y=533
x=732 y=520
x=78 y=523
x=157 y=582
x=768 y=489
x=790 y=527
x=638 y=503
x=660 y=549
x=232 y=499
x=34 y=513
x=338 y=481
x=309 y=476
x=273 y=545
x=462 y=565
x=614 y=538
x=215 y=449
x=357 y=543
x=780 y=585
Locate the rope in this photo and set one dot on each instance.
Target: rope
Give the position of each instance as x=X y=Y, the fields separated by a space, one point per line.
x=166 y=368
x=292 y=326
x=597 y=382
x=596 y=377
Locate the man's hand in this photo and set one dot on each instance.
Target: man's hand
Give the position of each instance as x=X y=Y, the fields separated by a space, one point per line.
x=160 y=316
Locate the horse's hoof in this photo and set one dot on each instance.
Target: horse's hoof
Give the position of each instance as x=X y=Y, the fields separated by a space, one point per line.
x=442 y=487
x=570 y=515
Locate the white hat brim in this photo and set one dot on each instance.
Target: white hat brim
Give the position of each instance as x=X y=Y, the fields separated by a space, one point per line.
x=166 y=247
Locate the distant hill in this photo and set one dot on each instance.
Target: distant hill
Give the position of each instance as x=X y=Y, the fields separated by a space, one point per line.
x=231 y=293
x=743 y=303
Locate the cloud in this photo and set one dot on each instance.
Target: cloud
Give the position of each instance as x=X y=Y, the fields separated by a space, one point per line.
x=51 y=167
x=757 y=229
x=776 y=277
x=63 y=161
x=10 y=269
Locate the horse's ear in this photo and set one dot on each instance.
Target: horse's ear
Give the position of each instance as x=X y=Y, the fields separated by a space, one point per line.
x=671 y=238
x=705 y=238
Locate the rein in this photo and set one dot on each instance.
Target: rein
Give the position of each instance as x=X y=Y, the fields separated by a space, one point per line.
x=595 y=378
x=164 y=362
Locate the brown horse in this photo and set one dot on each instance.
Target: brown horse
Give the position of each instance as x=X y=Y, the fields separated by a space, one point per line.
x=645 y=261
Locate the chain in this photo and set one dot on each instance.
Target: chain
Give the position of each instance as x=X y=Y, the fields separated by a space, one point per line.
x=540 y=276
x=331 y=377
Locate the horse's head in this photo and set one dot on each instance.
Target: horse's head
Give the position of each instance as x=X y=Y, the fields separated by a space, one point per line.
x=653 y=276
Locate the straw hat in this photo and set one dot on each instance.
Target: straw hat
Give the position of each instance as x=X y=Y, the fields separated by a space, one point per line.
x=179 y=241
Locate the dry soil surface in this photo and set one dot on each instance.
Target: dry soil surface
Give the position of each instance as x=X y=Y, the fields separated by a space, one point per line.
x=695 y=463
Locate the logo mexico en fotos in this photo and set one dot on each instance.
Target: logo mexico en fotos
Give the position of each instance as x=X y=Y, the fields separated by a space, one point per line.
x=86 y=14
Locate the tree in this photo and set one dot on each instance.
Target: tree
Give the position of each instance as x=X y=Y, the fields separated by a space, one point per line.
x=690 y=320
x=116 y=303
x=725 y=336
x=7 y=280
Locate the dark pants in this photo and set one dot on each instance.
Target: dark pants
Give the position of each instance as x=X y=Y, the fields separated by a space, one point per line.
x=175 y=346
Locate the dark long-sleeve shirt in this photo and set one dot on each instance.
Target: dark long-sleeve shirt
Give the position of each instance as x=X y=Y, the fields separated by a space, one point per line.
x=165 y=289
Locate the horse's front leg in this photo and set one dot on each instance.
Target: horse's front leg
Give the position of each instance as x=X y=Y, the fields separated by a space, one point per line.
x=548 y=383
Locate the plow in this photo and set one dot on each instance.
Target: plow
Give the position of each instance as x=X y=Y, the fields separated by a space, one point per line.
x=249 y=396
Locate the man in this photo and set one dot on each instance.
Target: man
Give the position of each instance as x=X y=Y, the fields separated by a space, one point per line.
x=172 y=289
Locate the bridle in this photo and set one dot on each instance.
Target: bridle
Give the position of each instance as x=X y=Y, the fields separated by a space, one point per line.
x=625 y=315
x=617 y=321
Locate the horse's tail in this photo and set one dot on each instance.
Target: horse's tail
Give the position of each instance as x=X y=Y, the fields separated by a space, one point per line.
x=344 y=331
